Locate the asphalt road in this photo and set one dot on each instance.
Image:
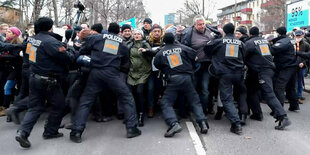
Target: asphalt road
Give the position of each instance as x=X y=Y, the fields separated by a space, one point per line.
x=109 y=138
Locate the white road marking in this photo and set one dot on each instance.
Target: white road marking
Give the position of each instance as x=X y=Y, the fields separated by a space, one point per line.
x=196 y=140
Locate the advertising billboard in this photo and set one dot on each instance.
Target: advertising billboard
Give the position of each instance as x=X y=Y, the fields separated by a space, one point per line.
x=297 y=14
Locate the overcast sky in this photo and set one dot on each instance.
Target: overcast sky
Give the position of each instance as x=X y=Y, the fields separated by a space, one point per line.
x=159 y=8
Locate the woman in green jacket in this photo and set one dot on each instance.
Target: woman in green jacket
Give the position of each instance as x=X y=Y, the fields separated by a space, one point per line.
x=140 y=70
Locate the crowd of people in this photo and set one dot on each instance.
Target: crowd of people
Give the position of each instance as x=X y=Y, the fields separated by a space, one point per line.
x=135 y=74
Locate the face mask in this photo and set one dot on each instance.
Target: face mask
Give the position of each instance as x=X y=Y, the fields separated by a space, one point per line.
x=298 y=39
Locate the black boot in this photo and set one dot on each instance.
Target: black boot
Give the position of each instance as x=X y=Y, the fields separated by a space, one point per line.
x=75 y=136
x=13 y=115
x=283 y=122
x=22 y=138
x=204 y=126
x=173 y=129
x=219 y=113
x=243 y=119
x=236 y=128
x=141 y=120
x=258 y=117
x=133 y=132
x=50 y=136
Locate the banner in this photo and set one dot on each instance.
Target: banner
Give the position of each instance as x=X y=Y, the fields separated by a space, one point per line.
x=131 y=22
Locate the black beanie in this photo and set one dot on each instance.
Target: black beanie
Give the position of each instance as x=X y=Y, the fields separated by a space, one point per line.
x=45 y=23
x=281 y=30
x=169 y=38
x=113 y=28
x=148 y=20
x=68 y=34
x=254 y=31
x=242 y=30
x=97 y=27
x=126 y=26
x=229 y=28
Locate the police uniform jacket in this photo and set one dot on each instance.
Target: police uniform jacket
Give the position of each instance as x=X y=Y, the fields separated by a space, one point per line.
x=257 y=54
x=227 y=55
x=175 y=59
x=283 y=51
x=47 y=55
x=107 y=51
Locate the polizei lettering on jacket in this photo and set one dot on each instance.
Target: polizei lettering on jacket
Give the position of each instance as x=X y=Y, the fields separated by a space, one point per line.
x=259 y=42
x=172 y=51
x=112 y=37
x=232 y=41
x=34 y=42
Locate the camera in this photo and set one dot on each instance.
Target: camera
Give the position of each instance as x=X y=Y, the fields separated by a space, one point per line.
x=79 y=5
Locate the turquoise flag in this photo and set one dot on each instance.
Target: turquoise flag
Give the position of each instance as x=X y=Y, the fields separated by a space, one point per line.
x=131 y=22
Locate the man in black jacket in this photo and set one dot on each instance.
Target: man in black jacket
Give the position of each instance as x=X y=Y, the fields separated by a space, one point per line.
x=175 y=61
x=285 y=60
x=261 y=70
x=196 y=37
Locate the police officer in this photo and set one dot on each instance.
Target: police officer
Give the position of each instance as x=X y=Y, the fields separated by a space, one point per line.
x=109 y=54
x=261 y=70
x=175 y=61
x=48 y=61
x=227 y=63
x=285 y=60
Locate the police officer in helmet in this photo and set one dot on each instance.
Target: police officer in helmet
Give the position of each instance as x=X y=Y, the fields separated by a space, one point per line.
x=48 y=64
x=109 y=55
x=175 y=61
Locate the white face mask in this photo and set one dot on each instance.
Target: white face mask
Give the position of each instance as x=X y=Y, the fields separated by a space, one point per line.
x=298 y=39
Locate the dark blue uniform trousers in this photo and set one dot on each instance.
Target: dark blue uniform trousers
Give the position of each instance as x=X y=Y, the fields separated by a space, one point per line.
x=39 y=91
x=285 y=80
x=264 y=80
x=180 y=84
x=98 y=80
x=226 y=83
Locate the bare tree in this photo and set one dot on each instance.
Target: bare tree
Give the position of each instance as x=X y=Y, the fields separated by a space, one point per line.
x=272 y=11
x=55 y=12
x=195 y=7
x=106 y=11
x=37 y=7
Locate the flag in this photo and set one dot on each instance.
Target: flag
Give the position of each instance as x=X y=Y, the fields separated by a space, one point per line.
x=131 y=22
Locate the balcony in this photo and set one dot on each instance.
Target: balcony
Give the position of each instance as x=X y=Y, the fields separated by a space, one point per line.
x=246 y=22
x=238 y=18
x=247 y=10
x=270 y=3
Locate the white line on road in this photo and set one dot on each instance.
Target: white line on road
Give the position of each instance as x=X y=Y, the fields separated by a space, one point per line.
x=196 y=140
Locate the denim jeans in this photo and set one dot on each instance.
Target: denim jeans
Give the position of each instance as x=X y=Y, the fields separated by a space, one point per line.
x=300 y=77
